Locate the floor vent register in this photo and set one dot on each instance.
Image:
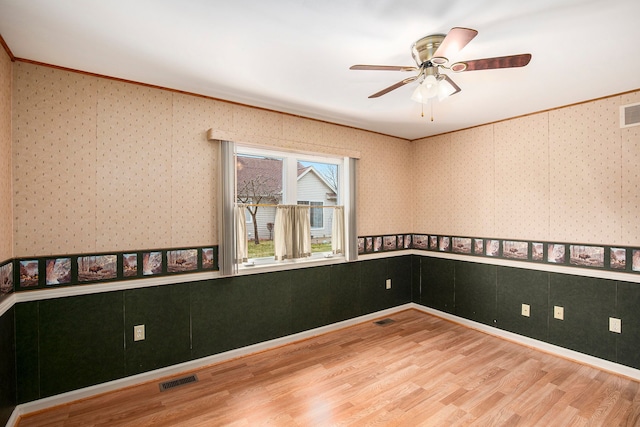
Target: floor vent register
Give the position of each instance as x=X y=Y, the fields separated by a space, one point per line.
x=178 y=382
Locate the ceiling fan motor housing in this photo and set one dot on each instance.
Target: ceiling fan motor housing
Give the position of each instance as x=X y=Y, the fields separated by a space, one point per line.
x=424 y=49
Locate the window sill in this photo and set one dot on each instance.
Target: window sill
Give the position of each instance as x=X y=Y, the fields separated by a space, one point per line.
x=265 y=265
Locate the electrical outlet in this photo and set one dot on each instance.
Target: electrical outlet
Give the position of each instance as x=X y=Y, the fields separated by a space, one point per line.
x=615 y=325
x=138 y=333
x=388 y=283
x=526 y=310
x=558 y=312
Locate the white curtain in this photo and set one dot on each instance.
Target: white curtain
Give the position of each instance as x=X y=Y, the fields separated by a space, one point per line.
x=302 y=231
x=241 y=234
x=337 y=230
x=292 y=232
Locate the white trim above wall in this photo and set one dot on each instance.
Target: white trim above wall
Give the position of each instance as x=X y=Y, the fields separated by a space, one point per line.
x=7 y=303
x=70 y=291
x=551 y=268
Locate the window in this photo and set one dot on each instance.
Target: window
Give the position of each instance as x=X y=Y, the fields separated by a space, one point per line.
x=317 y=214
x=266 y=179
x=266 y=183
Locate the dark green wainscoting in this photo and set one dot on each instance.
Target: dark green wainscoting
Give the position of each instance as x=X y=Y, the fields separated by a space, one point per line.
x=68 y=343
x=493 y=295
x=7 y=366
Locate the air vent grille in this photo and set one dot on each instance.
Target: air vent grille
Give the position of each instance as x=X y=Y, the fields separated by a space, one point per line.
x=630 y=115
x=178 y=382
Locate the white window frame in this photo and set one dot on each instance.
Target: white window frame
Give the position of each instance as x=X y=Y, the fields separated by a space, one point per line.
x=346 y=198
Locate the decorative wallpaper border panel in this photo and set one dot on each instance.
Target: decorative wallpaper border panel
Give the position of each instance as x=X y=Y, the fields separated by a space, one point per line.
x=24 y=274
x=604 y=257
x=394 y=242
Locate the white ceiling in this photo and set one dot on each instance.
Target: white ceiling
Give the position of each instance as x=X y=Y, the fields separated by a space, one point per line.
x=294 y=55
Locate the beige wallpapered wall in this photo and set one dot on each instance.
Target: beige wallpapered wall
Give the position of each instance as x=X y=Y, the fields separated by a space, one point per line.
x=568 y=175
x=6 y=215
x=102 y=165
x=630 y=181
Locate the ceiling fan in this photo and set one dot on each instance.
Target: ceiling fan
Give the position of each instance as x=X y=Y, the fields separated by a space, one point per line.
x=432 y=54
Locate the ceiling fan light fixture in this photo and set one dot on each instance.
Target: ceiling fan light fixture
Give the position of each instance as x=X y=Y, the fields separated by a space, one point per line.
x=427 y=89
x=430 y=85
x=445 y=89
x=417 y=95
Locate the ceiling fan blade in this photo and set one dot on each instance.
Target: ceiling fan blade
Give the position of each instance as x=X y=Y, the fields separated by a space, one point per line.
x=453 y=43
x=491 y=63
x=394 y=86
x=383 y=67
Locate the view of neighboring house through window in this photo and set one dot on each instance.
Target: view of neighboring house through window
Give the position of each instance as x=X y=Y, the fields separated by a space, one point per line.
x=266 y=179
x=315 y=212
x=259 y=185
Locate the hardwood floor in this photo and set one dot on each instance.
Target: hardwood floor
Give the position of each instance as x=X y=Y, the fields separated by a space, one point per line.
x=418 y=370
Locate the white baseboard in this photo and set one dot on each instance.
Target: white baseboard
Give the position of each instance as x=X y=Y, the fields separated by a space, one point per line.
x=83 y=393
x=64 y=398
x=13 y=419
x=565 y=353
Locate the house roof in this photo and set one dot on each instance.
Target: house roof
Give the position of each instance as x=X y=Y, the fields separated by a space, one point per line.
x=302 y=171
x=267 y=174
x=294 y=57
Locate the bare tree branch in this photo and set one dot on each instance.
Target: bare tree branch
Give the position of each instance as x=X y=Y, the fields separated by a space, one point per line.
x=257 y=190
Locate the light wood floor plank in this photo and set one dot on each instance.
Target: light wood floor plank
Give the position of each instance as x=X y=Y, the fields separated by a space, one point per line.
x=419 y=370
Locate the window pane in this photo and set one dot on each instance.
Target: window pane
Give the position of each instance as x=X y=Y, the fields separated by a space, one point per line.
x=259 y=183
x=318 y=188
x=316 y=215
